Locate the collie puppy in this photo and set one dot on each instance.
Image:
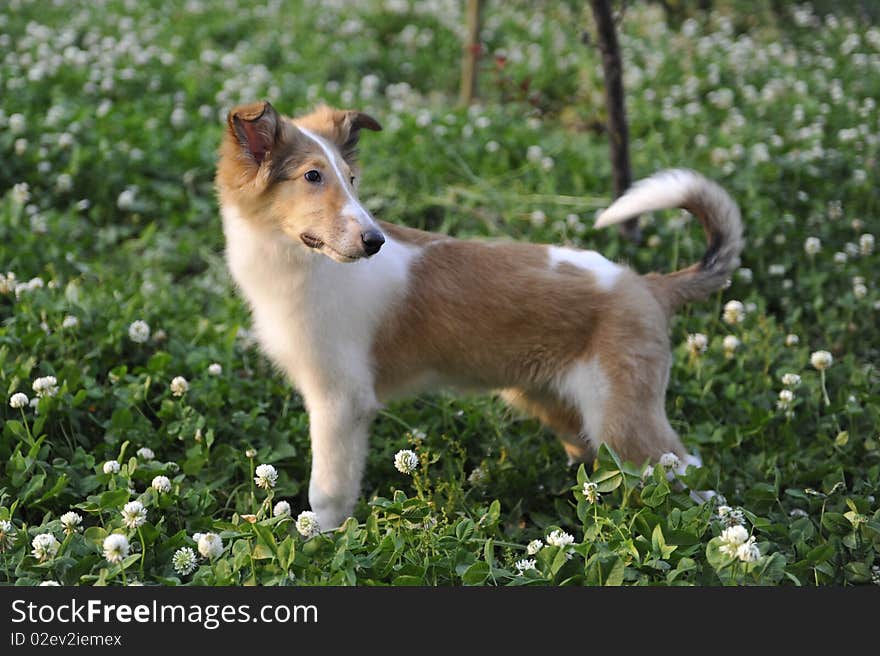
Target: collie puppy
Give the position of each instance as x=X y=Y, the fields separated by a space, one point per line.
x=358 y=311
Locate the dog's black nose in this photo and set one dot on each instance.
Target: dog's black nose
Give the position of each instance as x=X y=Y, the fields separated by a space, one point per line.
x=373 y=240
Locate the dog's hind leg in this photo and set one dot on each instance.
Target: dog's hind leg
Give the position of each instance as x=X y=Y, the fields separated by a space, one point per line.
x=621 y=404
x=561 y=417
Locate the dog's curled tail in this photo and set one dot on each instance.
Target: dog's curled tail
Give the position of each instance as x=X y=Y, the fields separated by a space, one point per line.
x=716 y=211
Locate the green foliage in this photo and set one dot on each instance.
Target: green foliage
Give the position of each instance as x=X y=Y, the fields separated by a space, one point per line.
x=111 y=117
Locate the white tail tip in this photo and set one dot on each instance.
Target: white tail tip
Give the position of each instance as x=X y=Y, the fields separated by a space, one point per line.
x=663 y=190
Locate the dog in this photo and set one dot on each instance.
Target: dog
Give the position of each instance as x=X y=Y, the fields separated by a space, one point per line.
x=358 y=311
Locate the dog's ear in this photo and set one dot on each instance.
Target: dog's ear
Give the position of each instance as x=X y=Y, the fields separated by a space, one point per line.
x=349 y=132
x=257 y=127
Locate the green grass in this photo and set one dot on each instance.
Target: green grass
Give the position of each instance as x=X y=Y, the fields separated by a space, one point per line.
x=111 y=116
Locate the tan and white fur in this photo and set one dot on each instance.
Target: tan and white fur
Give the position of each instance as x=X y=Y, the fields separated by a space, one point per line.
x=358 y=311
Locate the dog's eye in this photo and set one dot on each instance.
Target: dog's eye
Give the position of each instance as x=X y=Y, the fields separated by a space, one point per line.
x=313 y=176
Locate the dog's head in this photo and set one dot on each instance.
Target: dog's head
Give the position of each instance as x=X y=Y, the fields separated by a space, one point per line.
x=300 y=175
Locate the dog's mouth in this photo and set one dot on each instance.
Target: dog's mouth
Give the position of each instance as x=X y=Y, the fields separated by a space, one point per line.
x=311 y=241
x=321 y=246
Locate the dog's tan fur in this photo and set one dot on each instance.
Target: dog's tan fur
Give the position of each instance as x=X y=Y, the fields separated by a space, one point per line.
x=488 y=315
x=463 y=313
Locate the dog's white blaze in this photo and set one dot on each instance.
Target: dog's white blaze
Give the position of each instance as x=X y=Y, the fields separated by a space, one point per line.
x=605 y=271
x=586 y=386
x=352 y=208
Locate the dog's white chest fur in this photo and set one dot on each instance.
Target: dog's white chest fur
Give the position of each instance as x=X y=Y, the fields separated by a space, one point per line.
x=314 y=317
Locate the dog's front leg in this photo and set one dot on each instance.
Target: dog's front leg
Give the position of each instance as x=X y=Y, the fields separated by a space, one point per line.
x=339 y=432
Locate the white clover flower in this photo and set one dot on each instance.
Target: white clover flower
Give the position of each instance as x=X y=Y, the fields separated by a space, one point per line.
x=791 y=380
x=307 y=524
x=21 y=193
x=7 y=283
x=215 y=369
x=210 y=545
x=860 y=290
x=745 y=274
x=145 y=453
x=49 y=584
x=70 y=521
x=559 y=538
x=161 y=484
x=139 y=331
x=734 y=312
x=866 y=244
x=525 y=564
x=178 y=117
x=534 y=153
x=534 y=547
x=18 y=400
x=184 y=561
x=406 y=461
x=730 y=344
x=116 y=548
x=670 y=461
x=786 y=398
x=250 y=453
x=697 y=343
x=538 y=218
x=111 y=467
x=134 y=514
x=812 y=246
x=748 y=551
x=776 y=270
x=792 y=340
x=64 y=182
x=492 y=146
x=477 y=476
x=281 y=508
x=732 y=537
x=45 y=547
x=7 y=532
x=266 y=476
x=46 y=386
x=591 y=492
x=125 y=201
x=70 y=321
x=179 y=386
x=821 y=360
